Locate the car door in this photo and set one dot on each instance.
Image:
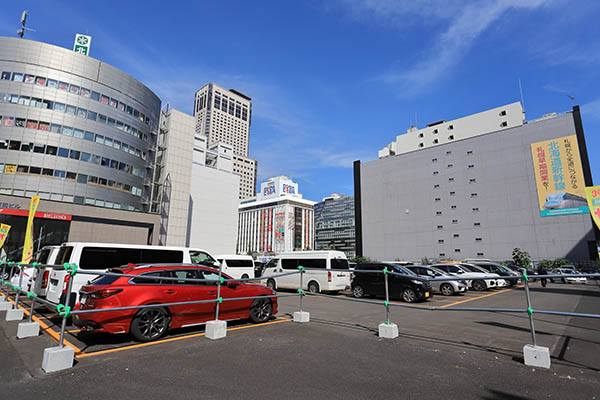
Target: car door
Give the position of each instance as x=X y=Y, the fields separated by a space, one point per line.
x=227 y=309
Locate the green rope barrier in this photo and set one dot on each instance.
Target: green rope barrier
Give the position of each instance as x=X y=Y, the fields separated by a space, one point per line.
x=302 y=292
x=70 y=268
x=386 y=303
x=301 y=268
x=220 y=299
x=525 y=274
x=385 y=271
x=31 y=294
x=15 y=287
x=35 y=264
x=222 y=280
x=529 y=311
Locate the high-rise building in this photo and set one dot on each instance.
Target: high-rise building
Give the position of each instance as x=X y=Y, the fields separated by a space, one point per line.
x=225 y=116
x=199 y=190
x=277 y=220
x=334 y=224
x=482 y=195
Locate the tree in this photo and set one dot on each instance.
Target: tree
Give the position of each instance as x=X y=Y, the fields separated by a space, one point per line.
x=521 y=257
x=425 y=261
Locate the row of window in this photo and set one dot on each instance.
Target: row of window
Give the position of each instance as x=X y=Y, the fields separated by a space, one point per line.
x=11 y=169
x=449 y=152
x=70 y=131
x=69 y=198
x=71 y=154
x=72 y=110
x=455 y=221
x=441 y=241
x=77 y=90
x=224 y=104
x=441 y=255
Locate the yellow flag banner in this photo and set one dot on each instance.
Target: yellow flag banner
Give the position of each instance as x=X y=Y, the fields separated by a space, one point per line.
x=28 y=245
x=3 y=233
x=593 y=197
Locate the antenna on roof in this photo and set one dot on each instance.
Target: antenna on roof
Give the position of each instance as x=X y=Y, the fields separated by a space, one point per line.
x=521 y=91
x=21 y=31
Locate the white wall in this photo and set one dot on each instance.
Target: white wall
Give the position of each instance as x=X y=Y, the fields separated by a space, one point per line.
x=214 y=210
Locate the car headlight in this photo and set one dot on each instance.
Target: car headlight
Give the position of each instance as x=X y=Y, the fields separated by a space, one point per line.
x=416 y=282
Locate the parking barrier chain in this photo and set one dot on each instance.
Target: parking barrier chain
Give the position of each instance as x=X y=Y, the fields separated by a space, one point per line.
x=18 y=287
x=529 y=309
x=387 y=297
x=301 y=290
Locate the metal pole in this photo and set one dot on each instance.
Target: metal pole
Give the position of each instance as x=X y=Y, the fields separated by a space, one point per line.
x=64 y=321
x=3 y=271
x=218 y=294
x=21 y=267
x=301 y=286
x=529 y=309
x=30 y=319
x=387 y=297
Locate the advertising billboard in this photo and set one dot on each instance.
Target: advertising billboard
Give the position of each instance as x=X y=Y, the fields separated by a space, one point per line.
x=559 y=177
x=593 y=198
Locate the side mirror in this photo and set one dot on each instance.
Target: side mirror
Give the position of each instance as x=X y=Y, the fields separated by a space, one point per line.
x=232 y=284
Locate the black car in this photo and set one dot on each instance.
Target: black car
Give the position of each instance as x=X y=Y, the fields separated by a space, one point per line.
x=373 y=284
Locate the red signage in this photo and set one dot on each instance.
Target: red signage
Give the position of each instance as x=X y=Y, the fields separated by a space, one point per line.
x=46 y=215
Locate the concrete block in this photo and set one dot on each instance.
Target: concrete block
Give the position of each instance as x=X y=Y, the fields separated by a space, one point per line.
x=536 y=356
x=301 y=316
x=57 y=358
x=216 y=329
x=5 y=305
x=388 y=331
x=2 y=298
x=28 y=329
x=14 y=315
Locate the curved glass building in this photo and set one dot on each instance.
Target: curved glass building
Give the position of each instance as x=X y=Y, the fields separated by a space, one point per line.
x=74 y=129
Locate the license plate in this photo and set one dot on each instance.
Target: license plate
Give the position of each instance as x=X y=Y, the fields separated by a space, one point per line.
x=426 y=294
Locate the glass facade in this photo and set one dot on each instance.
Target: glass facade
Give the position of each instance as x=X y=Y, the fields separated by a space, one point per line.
x=334 y=225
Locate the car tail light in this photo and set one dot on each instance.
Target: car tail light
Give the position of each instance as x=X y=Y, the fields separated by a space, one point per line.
x=103 y=294
x=45 y=279
x=329 y=276
x=66 y=283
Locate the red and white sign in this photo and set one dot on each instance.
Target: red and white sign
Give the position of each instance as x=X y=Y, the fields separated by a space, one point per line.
x=46 y=215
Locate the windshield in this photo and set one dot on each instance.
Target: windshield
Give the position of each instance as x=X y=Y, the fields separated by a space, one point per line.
x=401 y=270
x=437 y=271
x=469 y=268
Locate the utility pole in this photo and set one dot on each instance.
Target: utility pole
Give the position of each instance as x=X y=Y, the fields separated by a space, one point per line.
x=21 y=31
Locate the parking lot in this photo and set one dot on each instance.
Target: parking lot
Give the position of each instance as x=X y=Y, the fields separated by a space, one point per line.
x=338 y=354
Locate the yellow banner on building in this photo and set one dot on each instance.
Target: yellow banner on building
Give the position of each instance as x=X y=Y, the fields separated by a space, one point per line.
x=3 y=233
x=10 y=169
x=559 y=176
x=593 y=199
x=28 y=245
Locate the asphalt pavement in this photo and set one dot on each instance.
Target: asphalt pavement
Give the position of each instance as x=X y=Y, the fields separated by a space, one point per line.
x=338 y=355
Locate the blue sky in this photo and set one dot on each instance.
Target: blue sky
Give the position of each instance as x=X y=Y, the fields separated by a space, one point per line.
x=334 y=81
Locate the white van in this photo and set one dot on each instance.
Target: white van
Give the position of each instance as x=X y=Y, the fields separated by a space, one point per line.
x=326 y=271
x=91 y=257
x=238 y=267
x=40 y=277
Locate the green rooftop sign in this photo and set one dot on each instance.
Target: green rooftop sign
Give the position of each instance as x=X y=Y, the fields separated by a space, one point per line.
x=82 y=44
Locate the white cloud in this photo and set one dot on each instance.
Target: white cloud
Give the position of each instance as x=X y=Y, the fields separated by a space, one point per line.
x=591 y=110
x=465 y=24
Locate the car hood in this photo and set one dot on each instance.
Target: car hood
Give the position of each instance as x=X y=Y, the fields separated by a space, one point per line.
x=477 y=275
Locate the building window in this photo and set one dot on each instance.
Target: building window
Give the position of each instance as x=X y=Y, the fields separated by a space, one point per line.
x=450 y=179
x=448 y=152
x=440 y=241
x=435 y=131
x=478 y=239
x=442 y=254
x=438 y=199
x=473 y=194
x=475 y=209
x=440 y=226
x=450 y=127
x=471 y=166
x=504 y=124
x=451 y=137
x=469 y=152
x=452 y=193
x=436 y=186
x=472 y=180
x=457 y=250
x=479 y=254
x=453 y=207
x=456 y=235
x=420 y=135
x=503 y=113
x=438 y=213
x=435 y=172
x=434 y=160
x=455 y=221
x=435 y=141
x=420 y=144
x=450 y=165
x=477 y=224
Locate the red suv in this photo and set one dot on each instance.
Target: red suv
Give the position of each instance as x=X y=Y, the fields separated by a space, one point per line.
x=149 y=324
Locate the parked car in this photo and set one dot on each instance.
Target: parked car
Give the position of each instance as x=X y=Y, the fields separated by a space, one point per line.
x=590 y=270
x=494 y=268
x=259 y=266
x=568 y=276
x=149 y=324
x=447 y=288
x=46 y=255
x=373 y=284
x=474 y=277
x=326 y=271
x=40 y=277
x=237 y=266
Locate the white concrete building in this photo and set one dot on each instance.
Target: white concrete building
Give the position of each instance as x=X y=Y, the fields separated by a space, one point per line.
x=225 y=116
x=441 y=132
x=200 y=192
x=277 y=220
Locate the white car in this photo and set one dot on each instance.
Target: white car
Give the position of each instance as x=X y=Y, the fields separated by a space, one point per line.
x=473 y=277
x=570 y=276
